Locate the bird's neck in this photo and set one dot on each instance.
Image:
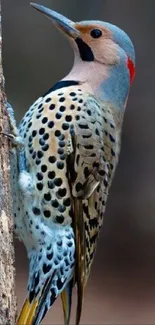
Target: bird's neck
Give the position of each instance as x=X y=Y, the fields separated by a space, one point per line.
x=108 y=83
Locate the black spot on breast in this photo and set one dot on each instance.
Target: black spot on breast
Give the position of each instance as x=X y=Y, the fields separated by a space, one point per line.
x=50 y=185
x=40 y=154
x=67 y=202
x=57 y=133
x=48 y=100
x=45 y=147
x=44 y=168
x=60 y=151
x=47 y=196
x=40 y=176
x=52 y=159
x=72 y=107
x=61 y=99
x=62 y=144
x=62 y=192
x=34 y=155
x=58 y=115
x=40 y=110
x=60 y=165
x=29 y=125
x=62 y=157
x=41 y=131
x=47 y=214
x=50 y=124
x=62 y=108
x=51 y=175
x=44 y=120
x=36 y=211
x=68 y=118
x=55 y=204
x=72 y=94
x=38 y=161
x=51 y=107
x=65 y=126
x=58 y=181
x=34 y=133
x=46 y=136
x=60 y=219
x=39 y=186
x=41 y=142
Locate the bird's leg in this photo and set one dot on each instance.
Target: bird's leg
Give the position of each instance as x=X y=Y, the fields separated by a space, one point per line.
x=14 y=136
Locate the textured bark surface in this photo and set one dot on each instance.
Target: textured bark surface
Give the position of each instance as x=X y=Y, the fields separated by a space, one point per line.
x=7 y=272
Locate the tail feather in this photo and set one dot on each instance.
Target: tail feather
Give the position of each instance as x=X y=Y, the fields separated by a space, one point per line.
x=66 y=297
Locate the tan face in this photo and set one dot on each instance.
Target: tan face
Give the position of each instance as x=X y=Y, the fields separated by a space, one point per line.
x=100 y=41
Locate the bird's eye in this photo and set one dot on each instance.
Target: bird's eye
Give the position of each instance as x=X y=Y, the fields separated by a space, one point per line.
x=96 y=33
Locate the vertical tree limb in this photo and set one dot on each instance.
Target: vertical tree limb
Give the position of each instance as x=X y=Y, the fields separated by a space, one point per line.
x=7 y=272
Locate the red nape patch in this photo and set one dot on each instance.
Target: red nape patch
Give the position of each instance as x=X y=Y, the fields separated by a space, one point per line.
x=132 y=69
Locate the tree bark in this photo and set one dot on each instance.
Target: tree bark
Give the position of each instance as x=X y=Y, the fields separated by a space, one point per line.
x=7 y=271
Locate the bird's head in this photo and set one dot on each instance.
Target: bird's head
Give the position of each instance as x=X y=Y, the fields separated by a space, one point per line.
x=99 y=44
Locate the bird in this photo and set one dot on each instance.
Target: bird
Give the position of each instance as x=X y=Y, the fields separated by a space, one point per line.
x=71 y=140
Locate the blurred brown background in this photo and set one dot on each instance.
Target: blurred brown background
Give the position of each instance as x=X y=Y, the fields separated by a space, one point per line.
x=121 y=289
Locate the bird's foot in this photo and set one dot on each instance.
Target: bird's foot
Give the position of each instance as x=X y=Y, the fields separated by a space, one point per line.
x=12 y=121
x=16 y=140
x=14 y=136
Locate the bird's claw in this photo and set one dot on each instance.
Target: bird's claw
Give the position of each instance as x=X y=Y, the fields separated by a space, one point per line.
x=12 y=121
x=16 y=140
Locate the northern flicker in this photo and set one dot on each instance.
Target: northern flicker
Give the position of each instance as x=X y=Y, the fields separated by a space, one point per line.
x=70 y=147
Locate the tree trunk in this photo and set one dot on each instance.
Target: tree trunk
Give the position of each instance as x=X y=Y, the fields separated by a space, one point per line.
x=7 y=271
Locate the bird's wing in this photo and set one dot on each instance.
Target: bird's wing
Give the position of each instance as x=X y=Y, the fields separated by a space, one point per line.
x=91 y=166
x=72 y=139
